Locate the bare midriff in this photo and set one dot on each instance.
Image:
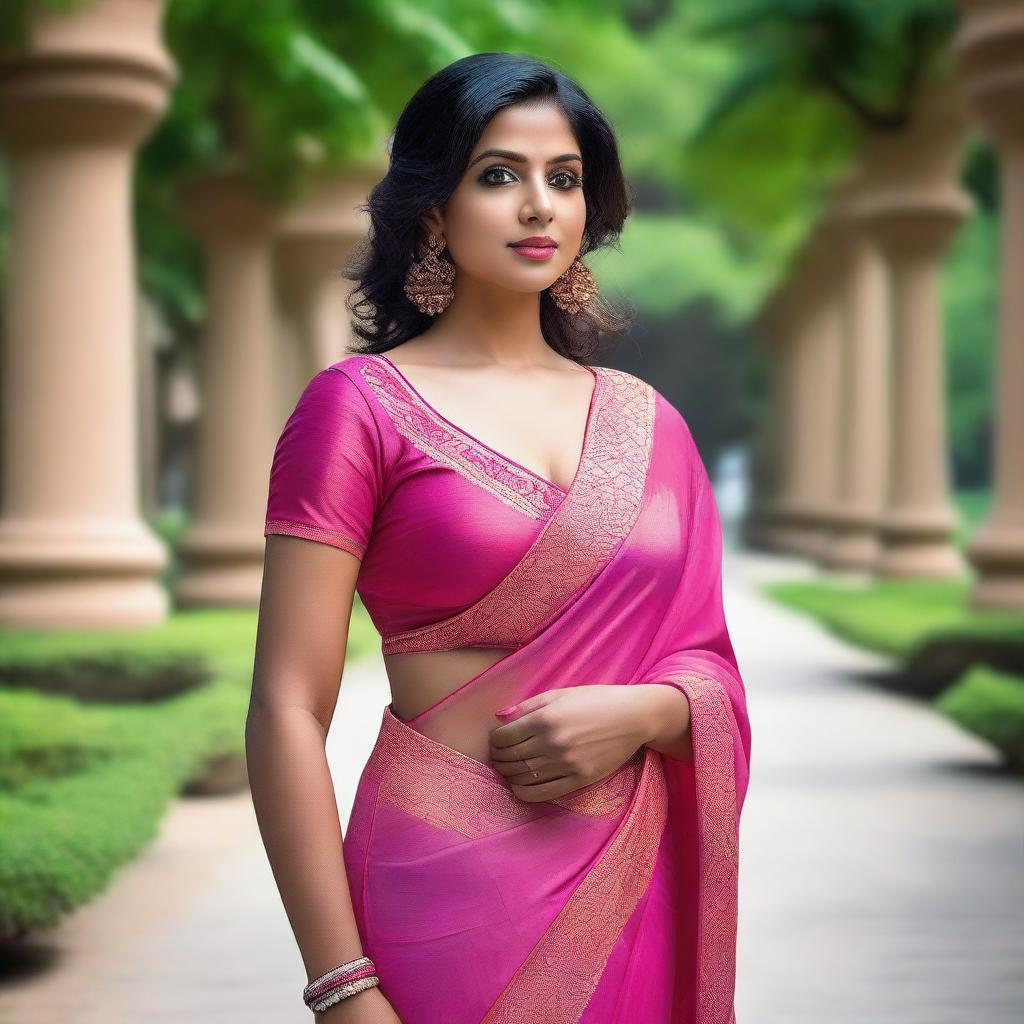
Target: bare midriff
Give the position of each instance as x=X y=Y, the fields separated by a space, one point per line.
x=421 y=678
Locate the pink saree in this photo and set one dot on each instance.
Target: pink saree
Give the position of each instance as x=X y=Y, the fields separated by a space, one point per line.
x=616 y=902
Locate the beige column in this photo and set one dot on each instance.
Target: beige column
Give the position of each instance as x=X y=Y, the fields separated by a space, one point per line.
x=863 y=433
x=801 y=512
x=767 y=454
x=222 y=551
x=785 y=324
x=76 y=101
x=315 y=238
x=787 y=504
x=291 y=357
x=990 y=47
x=806 y=515
x=827 y=397
x=913 y=216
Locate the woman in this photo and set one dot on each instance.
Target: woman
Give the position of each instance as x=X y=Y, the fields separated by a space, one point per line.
x=546 y=829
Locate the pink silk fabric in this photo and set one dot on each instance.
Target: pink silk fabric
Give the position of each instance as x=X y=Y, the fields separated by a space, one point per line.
x=614 y=903
x=366 y=464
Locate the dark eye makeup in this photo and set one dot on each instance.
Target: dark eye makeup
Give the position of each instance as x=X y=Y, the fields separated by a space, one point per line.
x=575 y=181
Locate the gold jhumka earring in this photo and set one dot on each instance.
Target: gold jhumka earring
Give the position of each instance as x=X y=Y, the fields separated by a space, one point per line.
x=574 y=288
x=428 y=281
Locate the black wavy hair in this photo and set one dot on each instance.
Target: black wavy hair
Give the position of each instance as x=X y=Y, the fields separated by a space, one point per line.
x=429 y=150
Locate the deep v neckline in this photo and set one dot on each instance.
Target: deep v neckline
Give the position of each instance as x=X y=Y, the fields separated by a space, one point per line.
x=587 y=429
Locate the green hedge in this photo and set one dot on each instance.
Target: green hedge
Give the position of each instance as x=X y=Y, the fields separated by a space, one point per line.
x=83 y=787
x=928 y=626
x=84 y=783
x=898 y=616
x=990 y=704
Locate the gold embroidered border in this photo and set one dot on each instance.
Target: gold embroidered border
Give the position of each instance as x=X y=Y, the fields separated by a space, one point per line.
x=513 y=484
x=333 y=537
x=718 y=839
x=555 y=982
x=455 y=792
x=577 y=541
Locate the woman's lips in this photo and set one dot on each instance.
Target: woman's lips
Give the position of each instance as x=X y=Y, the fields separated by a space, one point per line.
x=535 y=252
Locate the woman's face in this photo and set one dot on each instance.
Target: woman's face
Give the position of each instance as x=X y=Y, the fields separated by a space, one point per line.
x=533 y=187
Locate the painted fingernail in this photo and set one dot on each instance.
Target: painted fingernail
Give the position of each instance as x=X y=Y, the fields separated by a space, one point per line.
x=507 y=711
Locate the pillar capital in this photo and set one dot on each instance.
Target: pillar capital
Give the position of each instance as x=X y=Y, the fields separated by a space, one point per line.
x=822 y=259
x=909 y=229
x=312 y=244
x=316 y=232
x=774 y=318
x=987 y=47
x=227 y=201
x=329 y=207
x=906 y=189
x=98 y=72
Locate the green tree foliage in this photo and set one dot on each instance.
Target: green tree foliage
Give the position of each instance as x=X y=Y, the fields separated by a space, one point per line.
x=805 y=80
x=732 y=122
x=290 y=90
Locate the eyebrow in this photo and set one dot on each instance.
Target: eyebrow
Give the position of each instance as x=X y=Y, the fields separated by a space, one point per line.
x=507 y=154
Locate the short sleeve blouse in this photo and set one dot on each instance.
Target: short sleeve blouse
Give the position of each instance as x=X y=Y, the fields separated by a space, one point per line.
x=326 y=477
x=436 y=519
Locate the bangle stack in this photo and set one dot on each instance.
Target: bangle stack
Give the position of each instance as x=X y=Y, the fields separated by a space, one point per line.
x=340 y=983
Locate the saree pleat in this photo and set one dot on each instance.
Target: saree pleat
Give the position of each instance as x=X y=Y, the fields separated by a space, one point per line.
x=477 y=861
x=615 y=902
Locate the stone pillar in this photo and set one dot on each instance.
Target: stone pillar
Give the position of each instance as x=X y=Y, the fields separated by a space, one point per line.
x=801 y=513
x=291 y=361
x=314 y=240
x=76 y=100
x=912 y=213
x=990 y=48
x=827 y=253
x=768 y=455
x=784 y=324
x=864 y=430
x=222 y=551
x=788 y=319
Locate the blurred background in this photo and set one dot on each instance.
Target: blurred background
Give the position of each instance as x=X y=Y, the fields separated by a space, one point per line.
x=827 y=262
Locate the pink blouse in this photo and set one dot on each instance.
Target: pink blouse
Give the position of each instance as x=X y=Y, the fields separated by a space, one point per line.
x=437 y=517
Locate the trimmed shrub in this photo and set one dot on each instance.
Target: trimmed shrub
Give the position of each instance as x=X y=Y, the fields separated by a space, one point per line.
x=991 y=705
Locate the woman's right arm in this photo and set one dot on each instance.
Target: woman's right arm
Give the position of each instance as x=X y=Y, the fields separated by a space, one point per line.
x=305 y=605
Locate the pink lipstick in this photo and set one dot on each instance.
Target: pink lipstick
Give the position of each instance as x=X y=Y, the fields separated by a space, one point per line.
x=536 y=247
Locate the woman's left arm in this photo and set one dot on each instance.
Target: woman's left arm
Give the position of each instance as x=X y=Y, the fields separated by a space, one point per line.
x=665 y=712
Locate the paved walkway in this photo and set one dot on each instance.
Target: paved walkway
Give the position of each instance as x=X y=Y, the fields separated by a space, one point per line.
x=882 y=874
x=881 y=856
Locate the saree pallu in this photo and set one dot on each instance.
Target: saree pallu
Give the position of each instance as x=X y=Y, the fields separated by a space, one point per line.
x=618 y=901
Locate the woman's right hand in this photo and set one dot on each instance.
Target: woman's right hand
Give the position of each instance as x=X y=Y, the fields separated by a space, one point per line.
x=367 y=1007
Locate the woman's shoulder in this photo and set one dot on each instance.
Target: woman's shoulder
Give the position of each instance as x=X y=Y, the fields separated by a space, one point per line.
x=339 y=407
x=349 y=365
x=360 y=372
